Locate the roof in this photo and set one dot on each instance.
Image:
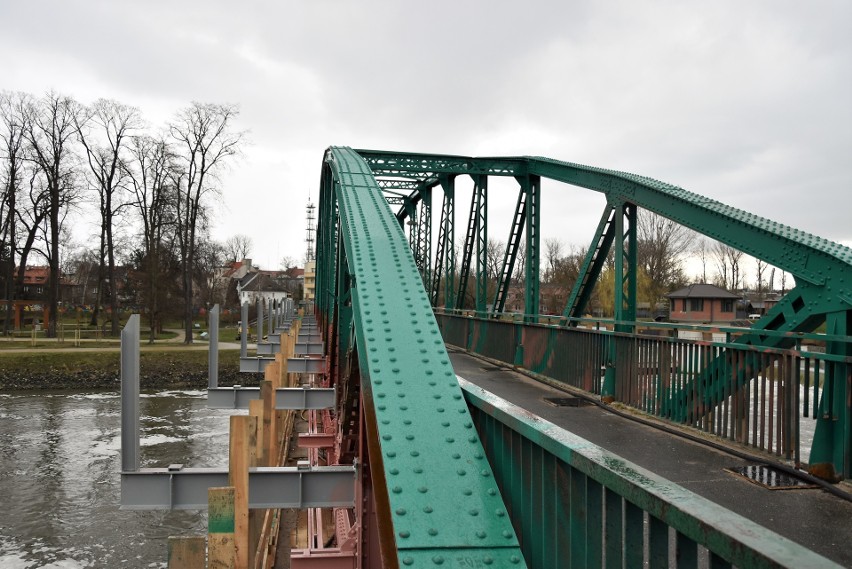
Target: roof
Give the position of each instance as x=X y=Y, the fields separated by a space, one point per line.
x=702 y=290
x=259 y=282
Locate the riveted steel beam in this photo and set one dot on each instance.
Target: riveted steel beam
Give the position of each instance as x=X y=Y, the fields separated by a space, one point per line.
x=421 y=482
x=299 y=398
x=178 y=488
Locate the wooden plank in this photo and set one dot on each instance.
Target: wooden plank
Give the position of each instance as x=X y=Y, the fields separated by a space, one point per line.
x=220 y=528
x=267 y=395
x=238 y=466
x=187 y=552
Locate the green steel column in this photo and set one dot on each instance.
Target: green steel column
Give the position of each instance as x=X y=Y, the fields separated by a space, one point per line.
x=481 y=190
x=531 y=271
x=445 y=258
x=625 y=288
x=831 y=453
x=424 y=233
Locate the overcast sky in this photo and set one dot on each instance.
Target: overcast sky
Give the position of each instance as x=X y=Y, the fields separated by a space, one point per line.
x=749 y=103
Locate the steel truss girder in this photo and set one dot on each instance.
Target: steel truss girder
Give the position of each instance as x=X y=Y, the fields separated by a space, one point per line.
x=299 y=398
x=807 y=257
x=481 y=230
x=177 y=488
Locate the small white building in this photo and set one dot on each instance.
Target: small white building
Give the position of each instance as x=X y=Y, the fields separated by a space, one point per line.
x=260 y=285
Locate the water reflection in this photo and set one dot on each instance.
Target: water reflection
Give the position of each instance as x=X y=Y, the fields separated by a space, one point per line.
x=59 y=487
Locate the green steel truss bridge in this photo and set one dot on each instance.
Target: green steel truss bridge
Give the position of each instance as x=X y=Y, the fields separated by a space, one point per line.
x=452 y=476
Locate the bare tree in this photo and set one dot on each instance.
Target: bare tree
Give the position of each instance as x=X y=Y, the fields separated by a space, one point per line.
x=661 y=246
x=760 y=269
x=12 y=127
x=50 y=133
x=552 y=254
x=104 y=130
x=702 y=250
x=237 y=247
x=151 y=173
x=205 y=141
x=728 y=270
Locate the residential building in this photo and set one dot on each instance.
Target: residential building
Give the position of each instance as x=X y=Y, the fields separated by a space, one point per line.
x=703 y=303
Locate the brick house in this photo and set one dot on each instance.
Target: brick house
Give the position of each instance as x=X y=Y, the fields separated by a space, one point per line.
x=702 y=303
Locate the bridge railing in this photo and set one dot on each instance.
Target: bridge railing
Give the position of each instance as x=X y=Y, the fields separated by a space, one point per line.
x=573 y=504
x=762 y=397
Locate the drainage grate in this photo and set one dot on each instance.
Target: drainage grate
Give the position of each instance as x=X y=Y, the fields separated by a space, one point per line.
x=566 y=401
x=770 y=478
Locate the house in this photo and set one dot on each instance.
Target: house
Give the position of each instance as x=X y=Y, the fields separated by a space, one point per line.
x=702 y=303
x=261 y=286
x=310 y=276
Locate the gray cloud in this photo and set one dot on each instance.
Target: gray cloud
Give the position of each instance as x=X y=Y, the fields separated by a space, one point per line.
x=747 y=103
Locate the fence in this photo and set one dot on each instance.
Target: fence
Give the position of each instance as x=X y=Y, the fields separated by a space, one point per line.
x=762 y=397
x=574 y=504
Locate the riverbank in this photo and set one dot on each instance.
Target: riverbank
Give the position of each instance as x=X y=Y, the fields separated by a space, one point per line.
x=68 y=369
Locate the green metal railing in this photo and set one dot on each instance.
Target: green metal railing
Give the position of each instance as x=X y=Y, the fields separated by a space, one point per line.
x=766 y=398
x=575 y=505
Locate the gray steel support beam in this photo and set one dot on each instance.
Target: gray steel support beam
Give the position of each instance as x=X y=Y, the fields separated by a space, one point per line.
x=309 y=349
x=306 y=365
x=244 y=330
x=254 y=365
x=213 y=347
x=130 y=395
x=304 y=337
x=299 y=398
x=177 y=488
x=268 y=348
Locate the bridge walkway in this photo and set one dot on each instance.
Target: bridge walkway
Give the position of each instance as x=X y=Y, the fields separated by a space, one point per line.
x=811 y=517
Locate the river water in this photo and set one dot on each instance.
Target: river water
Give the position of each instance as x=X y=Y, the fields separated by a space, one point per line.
x=59 y=476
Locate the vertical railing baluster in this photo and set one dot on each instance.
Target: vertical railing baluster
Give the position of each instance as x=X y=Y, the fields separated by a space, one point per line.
x=578 y=519
x=658 y=543
x=613 y=531
x=686 y=552
x=594 y=526
x=634 y=535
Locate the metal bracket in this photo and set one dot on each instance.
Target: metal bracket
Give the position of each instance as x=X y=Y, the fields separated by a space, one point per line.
x=309 y=349
x=254 y=365
x=306 y=365
x=285 y=397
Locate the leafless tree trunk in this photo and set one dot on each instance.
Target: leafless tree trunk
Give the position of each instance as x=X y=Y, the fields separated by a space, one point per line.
x=151 y=172
x=12 y=127
x=103 y=132
x=728 y=270
x=702 y=249
x=50 y=134
x=204 y=135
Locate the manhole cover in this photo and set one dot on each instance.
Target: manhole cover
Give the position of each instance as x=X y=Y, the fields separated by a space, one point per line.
x=770 y=478
x=566 y=401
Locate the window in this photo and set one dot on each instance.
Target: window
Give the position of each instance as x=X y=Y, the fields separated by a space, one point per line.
x=728 y=305
x=685 y=309
x=696 y=304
